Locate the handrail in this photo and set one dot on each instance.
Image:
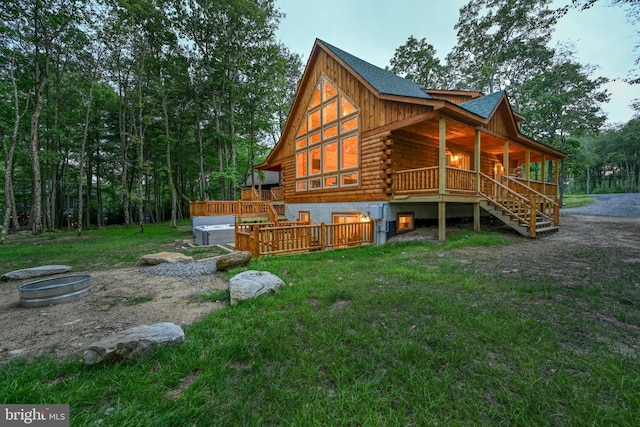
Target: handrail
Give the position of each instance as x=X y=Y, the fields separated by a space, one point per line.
x=549 y=206
x=511 y=202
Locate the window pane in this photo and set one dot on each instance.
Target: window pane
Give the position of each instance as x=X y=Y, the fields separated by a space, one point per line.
x=301 y=185
x=349 y=179
x=303 y=127
x=315 y=98
x=314 y=156
x=346 y=106
x=314 y=119
x=330 y=132
x=348 y=125
x=300 y=143
x=349 y=152
x=331 y=157
x=330 y=111
x=301 y=164
x=315 y=183
x=331 y=181
x=314 y=138
x=329 y=90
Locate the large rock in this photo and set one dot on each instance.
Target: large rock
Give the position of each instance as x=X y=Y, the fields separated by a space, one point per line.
x=161 y=257
x=251 y=283
x=133 y=343
x=28 y=273
x=233 y=260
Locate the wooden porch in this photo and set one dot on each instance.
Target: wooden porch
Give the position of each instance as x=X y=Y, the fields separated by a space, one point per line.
x=255 y=206
x=529 y=207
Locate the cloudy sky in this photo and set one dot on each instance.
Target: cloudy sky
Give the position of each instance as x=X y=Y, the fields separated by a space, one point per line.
x=373 y=29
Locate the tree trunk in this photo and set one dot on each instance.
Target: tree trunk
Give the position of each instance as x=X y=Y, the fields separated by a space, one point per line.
x=172 y=187
x=83 y=146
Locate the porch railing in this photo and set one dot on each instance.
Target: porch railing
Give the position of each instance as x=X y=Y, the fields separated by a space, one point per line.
x=290 y=237
x=412 y=180
x=549 y=189
x=239 y=208
x=461 y=180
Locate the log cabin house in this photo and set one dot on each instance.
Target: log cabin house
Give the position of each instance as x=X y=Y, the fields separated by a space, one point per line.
x=362 y=143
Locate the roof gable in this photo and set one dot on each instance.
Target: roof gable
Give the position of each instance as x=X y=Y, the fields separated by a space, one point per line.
x=484 y=106
x=381 y=80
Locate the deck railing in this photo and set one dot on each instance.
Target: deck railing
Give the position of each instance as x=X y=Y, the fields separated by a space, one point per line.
x=239 y=208
x=549 y=189
x=290 y=237
x=413 y=180
x=461 y=180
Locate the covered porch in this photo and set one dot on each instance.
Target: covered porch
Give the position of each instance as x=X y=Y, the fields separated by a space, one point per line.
x=441 y=160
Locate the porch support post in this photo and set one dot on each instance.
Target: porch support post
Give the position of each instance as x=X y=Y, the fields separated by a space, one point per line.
x=543 y=171
x=527 y=166
x=505 y=158
x=442 y=156
x=477 y=164
x=442 y=221
x=476 y=158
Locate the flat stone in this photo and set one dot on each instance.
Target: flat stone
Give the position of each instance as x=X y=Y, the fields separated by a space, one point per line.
x=162 y=257
x=132 y=343
x=28 y=273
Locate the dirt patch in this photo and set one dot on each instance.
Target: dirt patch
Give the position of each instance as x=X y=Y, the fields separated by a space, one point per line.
x=121 y=298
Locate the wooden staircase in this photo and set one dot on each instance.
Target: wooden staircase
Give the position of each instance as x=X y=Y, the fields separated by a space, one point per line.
x=520 y=207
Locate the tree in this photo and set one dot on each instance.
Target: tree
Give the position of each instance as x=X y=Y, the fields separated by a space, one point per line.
x=501 y=44
x=563 y=103
x=416 y=60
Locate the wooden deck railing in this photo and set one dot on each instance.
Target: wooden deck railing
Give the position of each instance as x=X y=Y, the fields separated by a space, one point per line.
x=549 y=189
x=545 y=206
x=461 y=180
x=269 y=239
x=413 y=180
x=239 y=208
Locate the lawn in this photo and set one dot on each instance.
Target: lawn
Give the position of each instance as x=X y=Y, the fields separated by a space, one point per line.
x=382 y=335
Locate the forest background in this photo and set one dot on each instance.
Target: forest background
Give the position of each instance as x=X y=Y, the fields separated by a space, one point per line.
x=123 y=111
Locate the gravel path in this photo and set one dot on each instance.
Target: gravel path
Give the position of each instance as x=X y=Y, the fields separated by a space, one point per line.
x=618 y=205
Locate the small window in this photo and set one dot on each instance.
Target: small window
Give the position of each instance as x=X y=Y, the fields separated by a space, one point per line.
x=331 y=181
x=304 y=216
x=349 y=179
x=405 y=222
x=315 y=184
x=301 y=185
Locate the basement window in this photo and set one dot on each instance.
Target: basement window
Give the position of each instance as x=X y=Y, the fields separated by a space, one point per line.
x=405 y=222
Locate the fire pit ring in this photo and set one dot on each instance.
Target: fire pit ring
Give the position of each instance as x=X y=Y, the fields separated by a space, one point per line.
x=56 y=290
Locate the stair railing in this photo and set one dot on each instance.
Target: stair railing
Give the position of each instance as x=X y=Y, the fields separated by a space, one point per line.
x=546 y=206
x=507 y=200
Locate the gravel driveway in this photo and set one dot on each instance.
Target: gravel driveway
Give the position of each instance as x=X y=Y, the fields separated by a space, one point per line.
x=620 y=205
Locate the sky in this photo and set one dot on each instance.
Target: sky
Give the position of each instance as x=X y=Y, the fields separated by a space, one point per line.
x=373 y=29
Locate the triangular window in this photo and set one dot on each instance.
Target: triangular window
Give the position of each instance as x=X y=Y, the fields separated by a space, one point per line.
x=328 y=140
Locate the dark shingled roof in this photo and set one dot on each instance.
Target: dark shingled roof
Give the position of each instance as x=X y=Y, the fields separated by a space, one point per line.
x=484 y=105
x=383 y=81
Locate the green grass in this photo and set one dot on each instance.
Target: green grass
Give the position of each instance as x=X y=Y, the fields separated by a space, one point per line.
x=382 y=335
x=577 y=200
x=97 y=249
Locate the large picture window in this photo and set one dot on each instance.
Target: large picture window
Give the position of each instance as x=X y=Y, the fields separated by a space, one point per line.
x=328 y=141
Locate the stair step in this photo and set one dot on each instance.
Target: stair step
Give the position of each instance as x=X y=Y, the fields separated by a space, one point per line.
x=545 y=230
